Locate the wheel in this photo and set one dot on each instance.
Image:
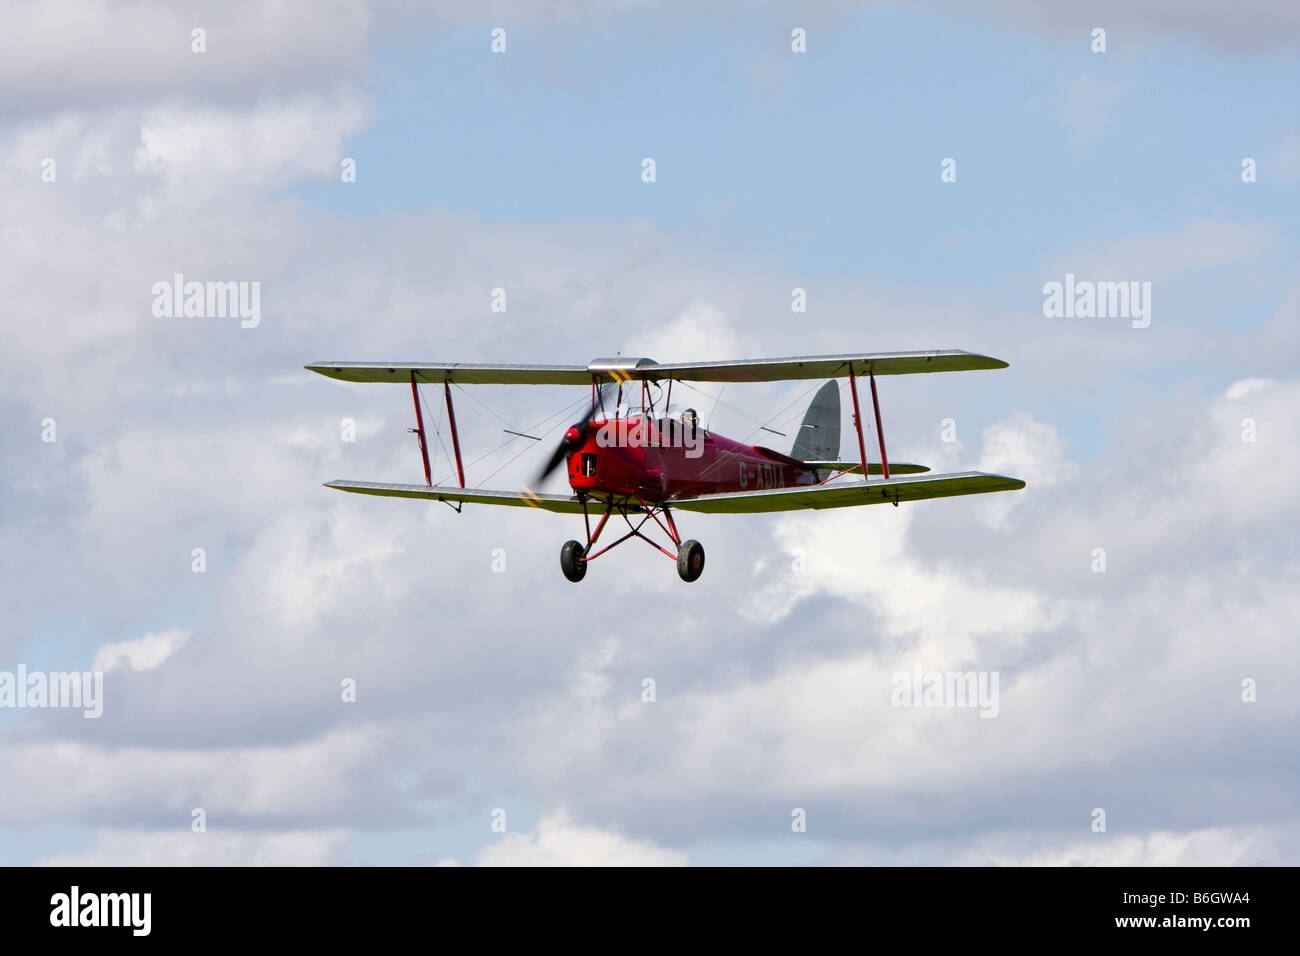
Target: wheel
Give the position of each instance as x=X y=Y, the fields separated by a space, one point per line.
x=690 y=560
x=571 y=563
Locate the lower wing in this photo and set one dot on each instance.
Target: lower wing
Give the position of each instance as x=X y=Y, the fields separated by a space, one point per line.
x=561 y=504
x=850 y=493
x=845 y=495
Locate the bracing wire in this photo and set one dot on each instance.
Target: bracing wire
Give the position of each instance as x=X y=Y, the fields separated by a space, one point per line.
x=762 y=426
x=567 y=409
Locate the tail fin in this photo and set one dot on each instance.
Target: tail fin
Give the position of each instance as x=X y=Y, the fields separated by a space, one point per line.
x=819 y=435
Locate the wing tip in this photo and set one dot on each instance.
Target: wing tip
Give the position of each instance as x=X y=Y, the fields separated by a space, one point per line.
x=992 y=362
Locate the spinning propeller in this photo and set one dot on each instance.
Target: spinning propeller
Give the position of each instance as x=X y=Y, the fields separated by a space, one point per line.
x=574 y=438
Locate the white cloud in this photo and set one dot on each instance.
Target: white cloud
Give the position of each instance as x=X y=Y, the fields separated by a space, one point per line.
x=559 y=841
x=1023 y=448
x=1209 y=846
x=1248 y=386
x=1250 y=28
x=200 y=152
x=312 y=783
x=1214 y=846
x=1196 y=246
x=217 y=847
x=700 y=333
x=143 y=653
x=63 y=52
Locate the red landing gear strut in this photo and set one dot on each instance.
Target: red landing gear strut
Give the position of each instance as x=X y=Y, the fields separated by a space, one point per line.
x=574 y=557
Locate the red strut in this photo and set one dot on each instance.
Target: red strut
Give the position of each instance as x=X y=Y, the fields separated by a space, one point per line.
x=857 y=421
x=875 y=402
x=419 y=430
x=455 y=439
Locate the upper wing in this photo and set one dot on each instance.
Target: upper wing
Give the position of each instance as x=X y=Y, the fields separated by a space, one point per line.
x=849 y=494
x=463 y=372
x=821 y=366
x=625 y=369
x=562 y=504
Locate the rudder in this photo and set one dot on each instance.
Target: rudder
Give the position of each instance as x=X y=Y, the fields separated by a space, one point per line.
x=819 y=435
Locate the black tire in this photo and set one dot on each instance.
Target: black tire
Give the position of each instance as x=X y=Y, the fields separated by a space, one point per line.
x=571 y=563
x=690 y=560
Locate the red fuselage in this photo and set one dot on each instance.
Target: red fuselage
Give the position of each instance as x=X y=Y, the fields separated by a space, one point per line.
x=659 y=459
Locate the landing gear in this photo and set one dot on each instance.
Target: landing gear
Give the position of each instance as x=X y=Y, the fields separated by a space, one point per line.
x=690 y=560
x=571 y=561
x=574 y=557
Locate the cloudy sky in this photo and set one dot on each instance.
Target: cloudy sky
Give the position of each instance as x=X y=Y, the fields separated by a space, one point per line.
x=1170 y=452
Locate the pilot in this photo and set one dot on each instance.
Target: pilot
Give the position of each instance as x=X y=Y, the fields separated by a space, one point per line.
x=689 y=420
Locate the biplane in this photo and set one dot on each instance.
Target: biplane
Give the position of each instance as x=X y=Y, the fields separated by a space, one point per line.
x=636 y=456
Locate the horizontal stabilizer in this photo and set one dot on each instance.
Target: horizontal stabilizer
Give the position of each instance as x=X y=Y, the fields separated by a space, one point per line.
x=873 y=468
